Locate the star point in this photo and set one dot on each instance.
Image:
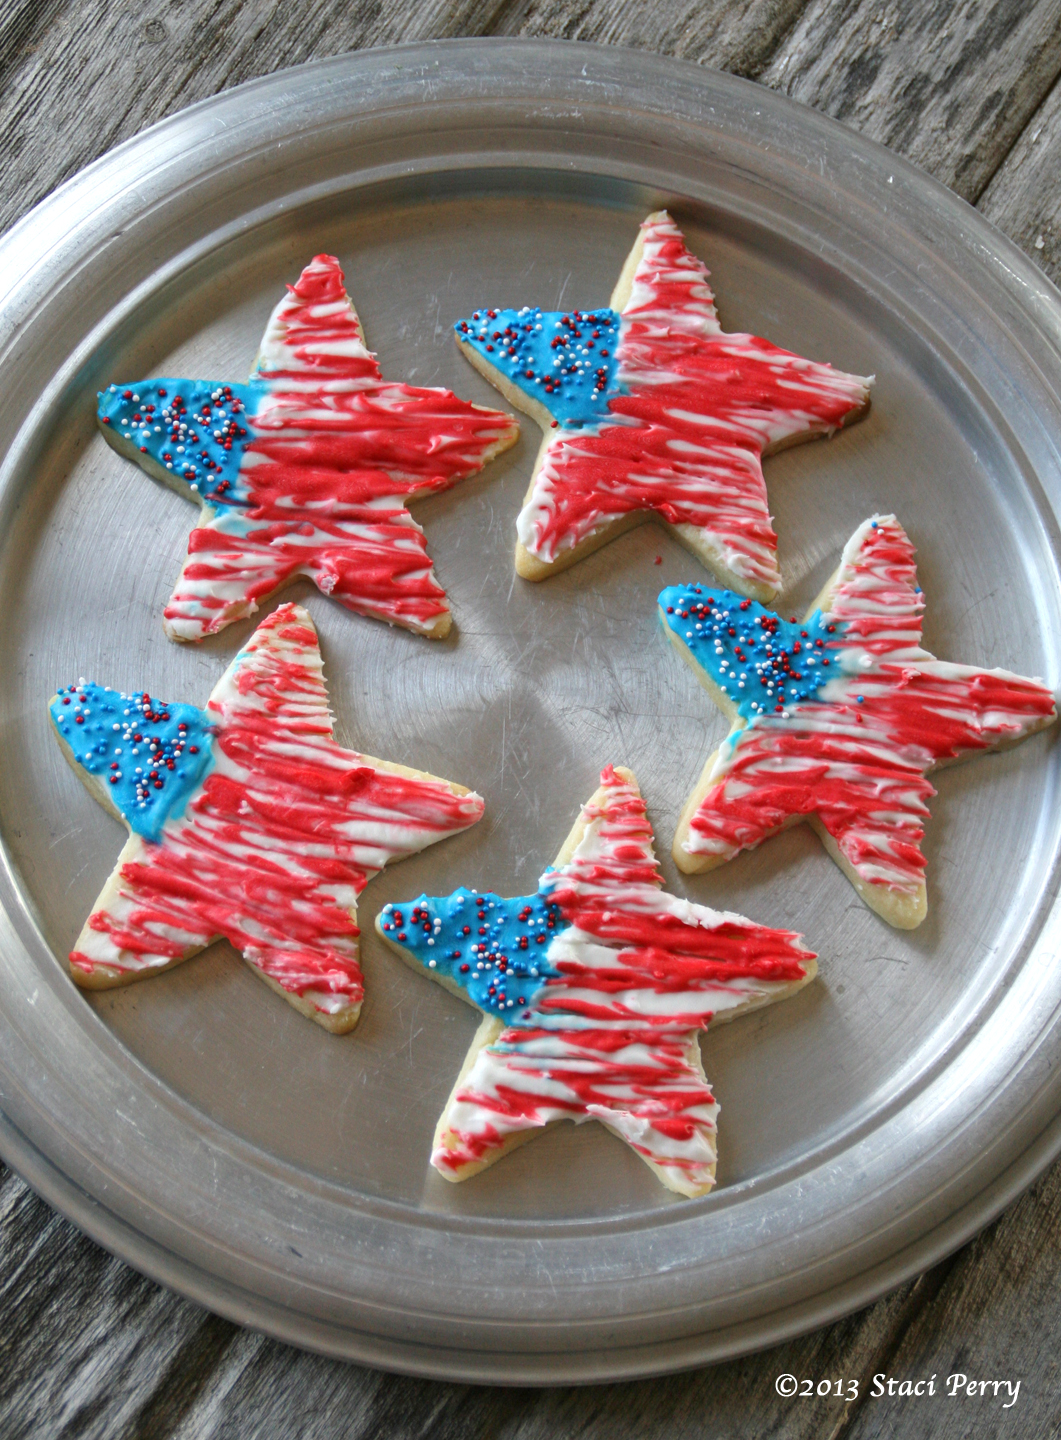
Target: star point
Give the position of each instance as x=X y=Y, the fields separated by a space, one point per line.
x=593 y=990
x=649 y=408
x=838 y=720
x=306 y=469
x=248 y=822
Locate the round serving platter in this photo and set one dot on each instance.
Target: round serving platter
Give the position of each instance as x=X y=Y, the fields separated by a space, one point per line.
x=199 y=1127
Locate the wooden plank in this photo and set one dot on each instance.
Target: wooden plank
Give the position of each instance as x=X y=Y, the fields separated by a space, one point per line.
x=90 y=1348
x=80 y=76
x=949 y=84
x=86 y=1344
x=740 y=38
x=998 y=1317
x=1024 y=196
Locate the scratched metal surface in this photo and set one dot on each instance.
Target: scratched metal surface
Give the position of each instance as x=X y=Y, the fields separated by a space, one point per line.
x=197 y=1124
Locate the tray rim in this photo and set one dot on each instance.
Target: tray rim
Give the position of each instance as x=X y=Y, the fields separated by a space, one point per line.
x=143 y=1251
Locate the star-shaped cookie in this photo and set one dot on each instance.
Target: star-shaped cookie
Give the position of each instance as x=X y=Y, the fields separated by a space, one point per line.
x=593 y=990
x=306 y=469
x=247 y=821
x=649 y=408
x=838 y=720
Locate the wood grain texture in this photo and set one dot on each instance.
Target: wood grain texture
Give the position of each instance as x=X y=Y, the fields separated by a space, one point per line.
x=88 y=1348
x=949 y=84
x=101 y=72
x=738 y=37
x=1024 y=195
x=91 y=1349
x=998 y=1316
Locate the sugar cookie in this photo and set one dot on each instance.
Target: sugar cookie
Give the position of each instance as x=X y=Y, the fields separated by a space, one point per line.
x=246 y=821
x=838 y=720
x=648 y=407
x=594 y=991
x=306 y=469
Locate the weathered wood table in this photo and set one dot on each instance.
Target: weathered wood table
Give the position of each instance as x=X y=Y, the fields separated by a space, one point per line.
x=969 y=90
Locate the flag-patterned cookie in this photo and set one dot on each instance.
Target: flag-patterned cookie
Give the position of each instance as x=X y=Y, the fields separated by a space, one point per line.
x=594 y=991
x=305 y=470
x=247 y=821
x=648 y=407
x=838 y=720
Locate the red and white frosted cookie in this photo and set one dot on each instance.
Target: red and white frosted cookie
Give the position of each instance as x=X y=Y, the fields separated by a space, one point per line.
x=838 y=720
x=649 y=408
x=247 y=821
x=594 y=991
x=305 y=470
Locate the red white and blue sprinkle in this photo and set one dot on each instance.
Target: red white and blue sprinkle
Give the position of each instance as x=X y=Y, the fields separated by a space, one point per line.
x=494 y=949
x=761 y=662
x=151 y=754
x=564 y=359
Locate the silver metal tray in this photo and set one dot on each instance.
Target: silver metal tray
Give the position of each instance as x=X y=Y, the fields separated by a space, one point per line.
x=200 y=1128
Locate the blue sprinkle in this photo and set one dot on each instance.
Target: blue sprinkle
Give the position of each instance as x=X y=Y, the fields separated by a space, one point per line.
x=493 y=948
x=167 y=732
x=148 y=415
x=560 y=350
x=759 y=664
